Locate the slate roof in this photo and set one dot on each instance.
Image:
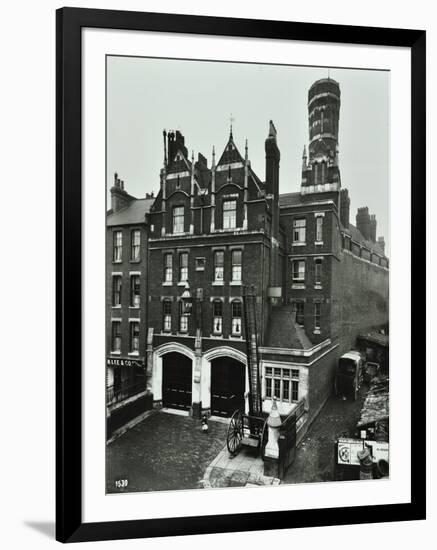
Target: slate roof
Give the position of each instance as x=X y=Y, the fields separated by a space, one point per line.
x=290 y=199
x=130 y=215
x=376 y=338
x=284 y=332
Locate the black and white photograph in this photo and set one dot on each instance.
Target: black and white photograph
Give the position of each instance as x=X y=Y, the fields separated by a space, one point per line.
x=247 y=274
x=219 y=257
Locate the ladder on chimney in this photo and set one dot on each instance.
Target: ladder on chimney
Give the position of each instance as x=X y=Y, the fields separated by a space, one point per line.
x=249 y=302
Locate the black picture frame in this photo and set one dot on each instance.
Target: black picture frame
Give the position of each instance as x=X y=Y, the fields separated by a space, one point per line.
x=69 y=23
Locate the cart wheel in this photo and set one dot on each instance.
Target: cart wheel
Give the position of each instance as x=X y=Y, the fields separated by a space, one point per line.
x=235 y=433
x=264 y=437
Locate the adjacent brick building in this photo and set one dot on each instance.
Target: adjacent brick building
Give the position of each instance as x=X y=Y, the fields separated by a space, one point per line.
x=212 y=229
x=126 y=301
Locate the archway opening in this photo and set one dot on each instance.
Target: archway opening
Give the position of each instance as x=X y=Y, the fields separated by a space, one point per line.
x=176 y=381
x=227 y=386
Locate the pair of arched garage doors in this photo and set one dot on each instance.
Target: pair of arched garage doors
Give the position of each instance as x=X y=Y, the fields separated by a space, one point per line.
x=227 y=383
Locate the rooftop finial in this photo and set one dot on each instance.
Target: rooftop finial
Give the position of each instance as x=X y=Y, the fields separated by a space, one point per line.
x=231 y=120
x=272 y=130
x=213 y=156
x=246 y=150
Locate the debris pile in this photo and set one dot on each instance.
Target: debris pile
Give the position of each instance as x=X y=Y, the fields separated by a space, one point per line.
x=375 y=412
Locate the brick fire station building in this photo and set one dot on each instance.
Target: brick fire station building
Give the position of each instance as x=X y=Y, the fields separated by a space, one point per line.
x=211 y=229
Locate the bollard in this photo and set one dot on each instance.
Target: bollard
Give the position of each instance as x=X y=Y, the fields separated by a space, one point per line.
x=366 y=464
x=271 y=453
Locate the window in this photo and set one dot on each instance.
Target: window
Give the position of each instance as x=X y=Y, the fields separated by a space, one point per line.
x=217 y=316
x=318 y=271
x=219 y=258
x=236 y=265
x=299 y=230
x=117 y=237
x=282 y=383
x=116 y=290
x=166 y=315
x=298 y=268
x=134 y=337
x=298 y=308
x=183 y=318
x=135 y=291
x=183 y=266
x=295 y=385
x=168 y=268
x=200 y=264
x=236 y=318
x=229 y=214
x=317 y=313
x=178 y=219
x=135 y=244
x=319 y=228
x=116 y=336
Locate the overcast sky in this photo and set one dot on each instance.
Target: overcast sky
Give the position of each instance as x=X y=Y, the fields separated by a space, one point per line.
x=144 y=96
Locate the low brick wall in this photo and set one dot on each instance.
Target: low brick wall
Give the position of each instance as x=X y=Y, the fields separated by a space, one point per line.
x=125 y=413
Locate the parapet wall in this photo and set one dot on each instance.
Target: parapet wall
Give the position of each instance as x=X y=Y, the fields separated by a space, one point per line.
x=360 y=298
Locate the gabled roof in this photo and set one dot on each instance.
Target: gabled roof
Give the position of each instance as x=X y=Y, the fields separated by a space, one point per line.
x=130 y=215
x=230 y=154
x=179 y=163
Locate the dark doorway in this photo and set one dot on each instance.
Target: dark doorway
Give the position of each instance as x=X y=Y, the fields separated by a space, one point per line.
x=176 y=381
x=227 y=386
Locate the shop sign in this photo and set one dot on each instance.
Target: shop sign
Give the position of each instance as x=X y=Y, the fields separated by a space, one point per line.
x=122 y=362
x=348 y=449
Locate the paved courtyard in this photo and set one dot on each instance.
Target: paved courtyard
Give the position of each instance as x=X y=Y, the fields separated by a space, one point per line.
x=167 y=452
x=164 y=452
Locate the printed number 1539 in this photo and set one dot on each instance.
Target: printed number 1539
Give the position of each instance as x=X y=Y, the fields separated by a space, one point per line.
x=120 y=483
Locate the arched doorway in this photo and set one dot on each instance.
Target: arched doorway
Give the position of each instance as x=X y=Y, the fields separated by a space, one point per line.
x=227 y=386
x=176 y=381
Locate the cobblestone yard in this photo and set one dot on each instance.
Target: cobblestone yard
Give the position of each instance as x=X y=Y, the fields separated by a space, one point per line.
x=163 y=452
x=315 y=455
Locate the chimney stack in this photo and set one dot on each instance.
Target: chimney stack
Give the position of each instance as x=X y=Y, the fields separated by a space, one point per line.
x=363 y=222
x=345 y=204
x=373 y=228
x=273 y=157
x=119 y=197
x=176 y=142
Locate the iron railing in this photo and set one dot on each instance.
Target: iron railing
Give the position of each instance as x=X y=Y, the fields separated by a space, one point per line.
x=119 y=394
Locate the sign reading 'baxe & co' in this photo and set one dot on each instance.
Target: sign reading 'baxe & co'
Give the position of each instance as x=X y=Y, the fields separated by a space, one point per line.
x=121 y=362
